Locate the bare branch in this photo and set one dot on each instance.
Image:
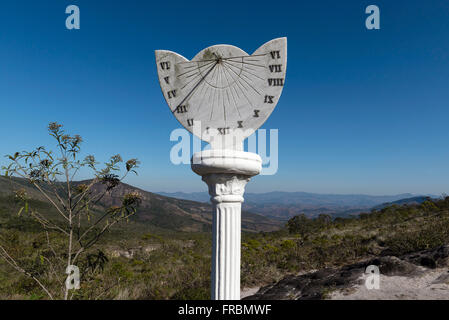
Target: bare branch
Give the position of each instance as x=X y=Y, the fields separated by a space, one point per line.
x=99 y=234
x=4 y=254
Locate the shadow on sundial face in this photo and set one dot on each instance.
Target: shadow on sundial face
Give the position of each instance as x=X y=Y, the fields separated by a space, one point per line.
x=223 y=89
x=228 y=69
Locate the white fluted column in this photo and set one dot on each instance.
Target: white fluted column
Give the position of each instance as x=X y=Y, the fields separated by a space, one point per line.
x=226 y=174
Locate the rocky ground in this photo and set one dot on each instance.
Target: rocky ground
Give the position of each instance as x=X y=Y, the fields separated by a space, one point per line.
x=421 y=275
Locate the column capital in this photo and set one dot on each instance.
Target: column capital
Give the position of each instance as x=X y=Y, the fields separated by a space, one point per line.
x=226 y=187
x=226 y=172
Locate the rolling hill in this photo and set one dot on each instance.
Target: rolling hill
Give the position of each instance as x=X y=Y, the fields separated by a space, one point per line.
x=157 y=210
x=401 y=202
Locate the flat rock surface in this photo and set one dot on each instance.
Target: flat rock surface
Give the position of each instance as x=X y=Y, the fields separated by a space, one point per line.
x=431 y=285
x=246 y=292
x=421 y=275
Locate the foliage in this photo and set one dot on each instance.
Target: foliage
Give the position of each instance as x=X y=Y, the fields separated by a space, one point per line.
x=77 y=220
x=132 y=263
x=308 y=243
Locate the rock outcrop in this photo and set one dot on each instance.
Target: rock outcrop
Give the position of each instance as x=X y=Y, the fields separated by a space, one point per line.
x=318 y=284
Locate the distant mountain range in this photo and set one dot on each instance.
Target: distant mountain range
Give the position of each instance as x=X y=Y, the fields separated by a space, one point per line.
x=284 y=205
x=155 y=210
x=261 y=211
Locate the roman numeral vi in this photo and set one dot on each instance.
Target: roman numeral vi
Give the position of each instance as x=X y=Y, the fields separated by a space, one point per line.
x=165 y=65
x=275 y=54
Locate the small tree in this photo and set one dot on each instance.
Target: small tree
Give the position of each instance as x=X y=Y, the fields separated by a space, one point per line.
x=80 y=217
x=323 y=220
x=299 y=224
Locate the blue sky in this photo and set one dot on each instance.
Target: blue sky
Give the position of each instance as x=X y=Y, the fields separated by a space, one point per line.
x=362 y=111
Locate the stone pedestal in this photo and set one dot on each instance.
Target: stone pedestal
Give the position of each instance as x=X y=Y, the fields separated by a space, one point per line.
x=226 y=173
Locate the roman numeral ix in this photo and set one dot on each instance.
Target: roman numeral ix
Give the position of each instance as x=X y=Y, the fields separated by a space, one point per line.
x=268 y=99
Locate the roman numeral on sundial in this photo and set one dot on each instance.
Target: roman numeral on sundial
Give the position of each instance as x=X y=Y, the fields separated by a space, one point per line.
x=276 y=82
x=268 y=99
x=256 y=113
x=181 y=109
x=240 y=123
x=171 y=94
x=165 y=65
x=190 y=122
x=167 y=81
x=275 y=68
x=223 y=131
x=275 y=54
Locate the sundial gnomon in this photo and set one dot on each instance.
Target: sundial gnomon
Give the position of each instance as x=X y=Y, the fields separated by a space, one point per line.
x=223 y=87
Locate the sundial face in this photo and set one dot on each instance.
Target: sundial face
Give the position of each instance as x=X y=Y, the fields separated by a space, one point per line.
x=223 y=88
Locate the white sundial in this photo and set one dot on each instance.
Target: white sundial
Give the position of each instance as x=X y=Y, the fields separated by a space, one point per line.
x=223 y=87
